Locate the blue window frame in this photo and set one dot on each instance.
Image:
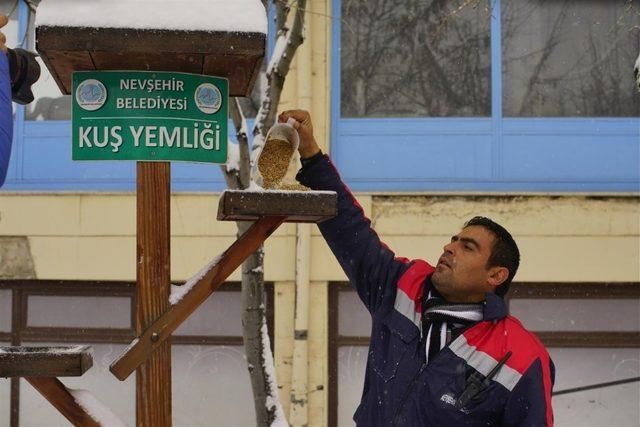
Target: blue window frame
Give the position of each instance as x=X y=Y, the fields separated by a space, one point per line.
x=41 y=154
x=496 y=154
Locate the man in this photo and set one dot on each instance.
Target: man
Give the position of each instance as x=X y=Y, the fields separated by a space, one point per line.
x=443 y=350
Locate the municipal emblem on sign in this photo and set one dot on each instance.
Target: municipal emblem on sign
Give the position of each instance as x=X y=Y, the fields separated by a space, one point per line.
x=208 y=98
x=91 y=94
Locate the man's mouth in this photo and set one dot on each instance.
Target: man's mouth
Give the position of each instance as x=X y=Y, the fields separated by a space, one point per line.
x=443 y=262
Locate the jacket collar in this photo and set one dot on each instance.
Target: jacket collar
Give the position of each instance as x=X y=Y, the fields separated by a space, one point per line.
x=494 y=307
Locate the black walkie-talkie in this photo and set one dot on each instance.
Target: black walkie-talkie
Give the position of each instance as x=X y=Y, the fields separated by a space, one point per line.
x=478 y=382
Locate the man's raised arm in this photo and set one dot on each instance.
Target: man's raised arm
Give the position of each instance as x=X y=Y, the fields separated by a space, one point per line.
x=370 y=265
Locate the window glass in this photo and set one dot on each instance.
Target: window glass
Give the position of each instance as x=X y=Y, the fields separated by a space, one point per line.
x=354 y=319
x=5 y=310
x=570 y=58
x=5 y=400
x=77 y=311
x=118 y=396
x=403 y=58
x=352 y=361
x=611 y=406
x=220 y=314
x=211 y=387
x=577 y=314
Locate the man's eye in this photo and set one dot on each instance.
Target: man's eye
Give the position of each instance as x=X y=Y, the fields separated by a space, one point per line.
x=468 y=247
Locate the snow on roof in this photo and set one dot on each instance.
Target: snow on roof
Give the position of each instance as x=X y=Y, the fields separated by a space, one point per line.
x=187 y=15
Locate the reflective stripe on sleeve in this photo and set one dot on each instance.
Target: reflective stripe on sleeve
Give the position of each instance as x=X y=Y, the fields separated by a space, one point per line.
x=484 y=363
x=407 y=307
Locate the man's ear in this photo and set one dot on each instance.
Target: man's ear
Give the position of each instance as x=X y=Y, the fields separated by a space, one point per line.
x=497 y=276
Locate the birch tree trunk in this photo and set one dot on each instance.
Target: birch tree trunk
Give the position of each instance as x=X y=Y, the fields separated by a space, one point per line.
x=256 y=339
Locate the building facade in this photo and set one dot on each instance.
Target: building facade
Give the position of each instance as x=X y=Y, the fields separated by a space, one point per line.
x=521 y=111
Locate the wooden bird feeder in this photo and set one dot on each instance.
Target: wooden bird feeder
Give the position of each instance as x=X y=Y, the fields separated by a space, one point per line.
x=40 y=367
x=236 y=56
x=222 y=38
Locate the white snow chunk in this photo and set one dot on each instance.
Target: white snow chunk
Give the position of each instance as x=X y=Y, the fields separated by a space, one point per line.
x=62 y=350
x=278 y=49
x=96 y=409
x=178 y=292
x=270 y=372
x=253 y=186
x=185 y=15
x=233 y=157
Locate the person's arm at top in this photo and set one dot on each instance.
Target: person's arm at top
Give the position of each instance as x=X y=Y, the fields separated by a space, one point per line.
x=6 y=108
x=368 y=263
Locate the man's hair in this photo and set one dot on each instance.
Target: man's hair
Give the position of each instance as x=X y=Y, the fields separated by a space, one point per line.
x=504 y=252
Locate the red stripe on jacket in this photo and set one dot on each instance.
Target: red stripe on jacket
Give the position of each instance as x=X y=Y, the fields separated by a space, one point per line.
x=412 y=281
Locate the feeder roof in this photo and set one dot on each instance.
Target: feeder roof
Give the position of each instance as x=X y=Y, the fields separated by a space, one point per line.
x=183 y=15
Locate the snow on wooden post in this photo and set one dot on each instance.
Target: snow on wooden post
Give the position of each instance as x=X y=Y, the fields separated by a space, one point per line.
x=223 y=38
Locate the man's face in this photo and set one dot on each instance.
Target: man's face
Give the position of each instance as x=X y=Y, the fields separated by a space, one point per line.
x=461 y=273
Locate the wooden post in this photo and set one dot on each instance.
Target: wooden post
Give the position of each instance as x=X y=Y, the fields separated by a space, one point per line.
x=153 y=378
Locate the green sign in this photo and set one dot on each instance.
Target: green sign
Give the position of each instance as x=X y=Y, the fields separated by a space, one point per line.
x=149 y=115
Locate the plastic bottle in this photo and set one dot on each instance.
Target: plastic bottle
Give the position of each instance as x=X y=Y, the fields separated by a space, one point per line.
x=278 y=158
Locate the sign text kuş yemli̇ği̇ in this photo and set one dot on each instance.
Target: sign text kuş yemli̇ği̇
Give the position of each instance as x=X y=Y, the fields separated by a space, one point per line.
x=149 y=115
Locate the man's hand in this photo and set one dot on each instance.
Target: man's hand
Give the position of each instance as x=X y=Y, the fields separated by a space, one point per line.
x=308 y=145
x=3 y=39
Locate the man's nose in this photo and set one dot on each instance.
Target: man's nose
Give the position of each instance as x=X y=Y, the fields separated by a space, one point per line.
x=448 y=248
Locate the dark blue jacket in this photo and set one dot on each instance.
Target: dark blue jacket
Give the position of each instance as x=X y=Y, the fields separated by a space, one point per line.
x=6 y=117
x=400 y=389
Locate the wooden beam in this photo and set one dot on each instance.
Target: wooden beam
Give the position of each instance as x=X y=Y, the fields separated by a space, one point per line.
x=296 y=206
x=57 y=394
x=236 y=56
x=60 y=361
x=153 y=378
x=149 y=40
x=161 y=329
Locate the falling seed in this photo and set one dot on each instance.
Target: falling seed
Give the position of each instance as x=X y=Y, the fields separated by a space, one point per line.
x=274 y=161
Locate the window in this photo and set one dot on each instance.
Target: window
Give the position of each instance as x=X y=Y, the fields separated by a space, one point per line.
x=496 y=95
x=349 y=332
x=592 y=332
x=570 y=59
x=209 y=372
x=415 y=59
